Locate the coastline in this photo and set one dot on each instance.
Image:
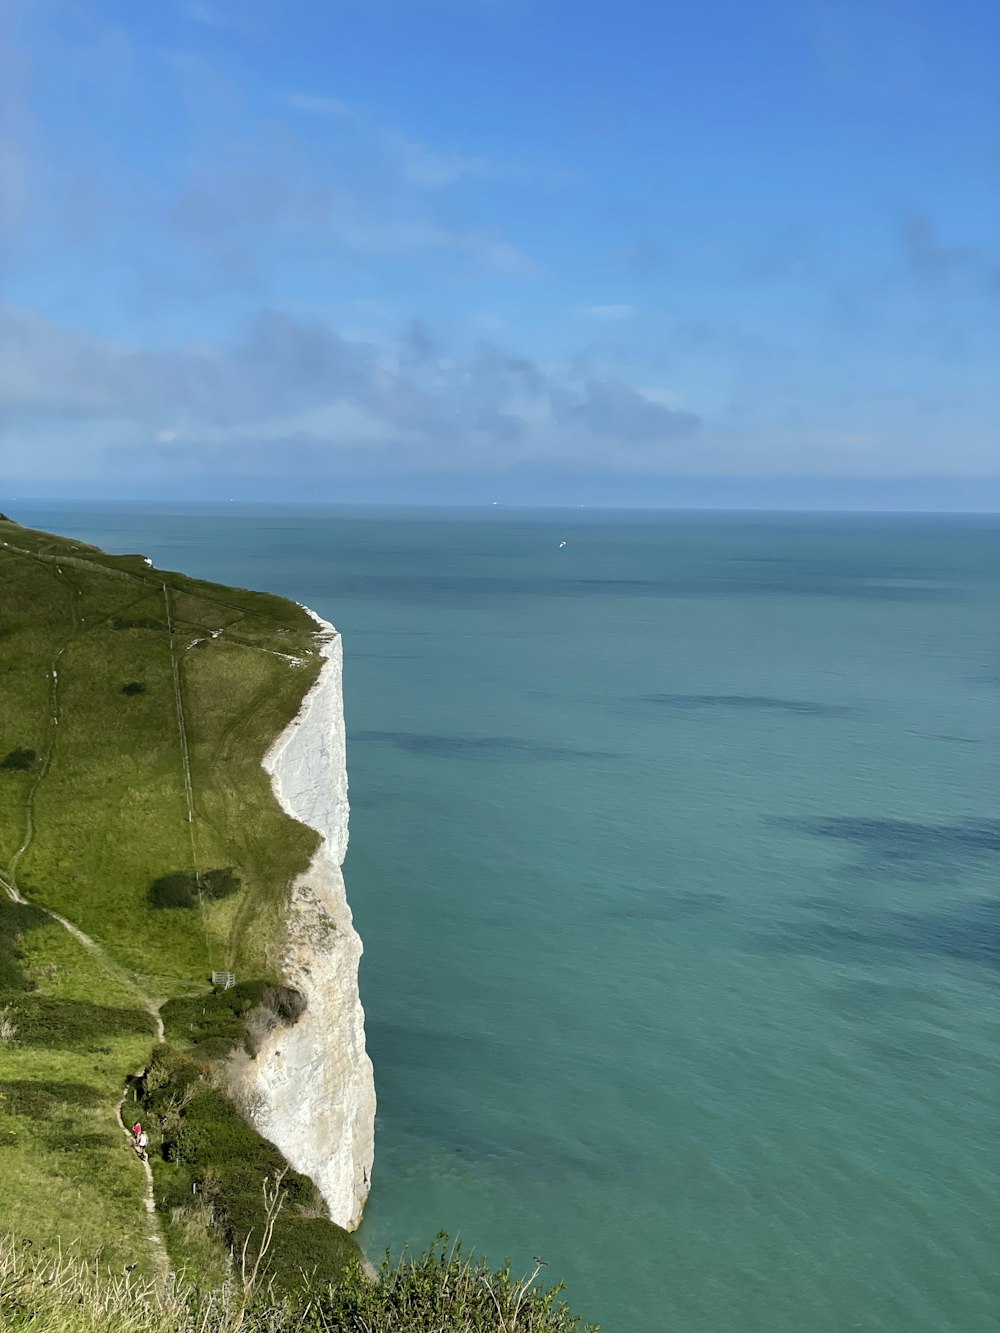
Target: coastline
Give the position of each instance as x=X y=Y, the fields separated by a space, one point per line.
x=311 y=1086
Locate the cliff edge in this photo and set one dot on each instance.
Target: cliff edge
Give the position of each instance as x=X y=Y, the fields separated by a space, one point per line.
x=311 y=1088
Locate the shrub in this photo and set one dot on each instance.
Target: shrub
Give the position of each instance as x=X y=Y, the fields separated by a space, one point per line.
x=222 y=883
x=177 y=890
x=15 y=919
x=19 y=760
x=213 y=1049
x=219 y=1161
x=183 y=887
x=41 y=1099
x=133 y=687
x=214 y=1023
x=438 y=1293
x=311 y=1247
x=50 y=1021
x=441 y=1292
x=285 y=1003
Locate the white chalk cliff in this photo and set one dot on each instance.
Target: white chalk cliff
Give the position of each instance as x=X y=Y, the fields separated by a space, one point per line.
x=312 y=1087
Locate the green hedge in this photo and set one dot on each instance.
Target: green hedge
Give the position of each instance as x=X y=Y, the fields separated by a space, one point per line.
x=211 y=1156
x=49 y=1021
x=40 y=1099
x=211 y=1025
x=442 y=1291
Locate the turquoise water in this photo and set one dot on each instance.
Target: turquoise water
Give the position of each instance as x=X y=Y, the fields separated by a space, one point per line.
x=674 y=852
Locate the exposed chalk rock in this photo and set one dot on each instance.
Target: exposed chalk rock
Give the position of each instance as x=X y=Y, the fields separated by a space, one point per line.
x=311 y=1087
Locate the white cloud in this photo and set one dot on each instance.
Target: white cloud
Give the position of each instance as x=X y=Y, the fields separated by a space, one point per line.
x=288 y=385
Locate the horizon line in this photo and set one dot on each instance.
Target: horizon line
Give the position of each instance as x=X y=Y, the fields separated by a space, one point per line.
x=474 y=505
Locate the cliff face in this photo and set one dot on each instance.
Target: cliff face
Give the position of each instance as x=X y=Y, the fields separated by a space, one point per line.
x=312 y=1088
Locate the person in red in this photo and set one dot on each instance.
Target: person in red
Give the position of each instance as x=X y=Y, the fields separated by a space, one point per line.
x=136 y=1131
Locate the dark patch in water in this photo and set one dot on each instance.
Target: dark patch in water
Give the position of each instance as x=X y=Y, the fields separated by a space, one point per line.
x=475 y=747
x=907 y=849
x=749 y=702
x=968 y=932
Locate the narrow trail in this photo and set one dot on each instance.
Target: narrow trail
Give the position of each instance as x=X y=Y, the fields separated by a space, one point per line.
x=50 y=736
x=154 y=1235
x=8 y=882
x=181 y=728
x=154 y=1232
x=186 y=768
x=8 y=876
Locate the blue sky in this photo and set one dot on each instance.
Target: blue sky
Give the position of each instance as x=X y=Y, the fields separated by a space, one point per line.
x=468 y=249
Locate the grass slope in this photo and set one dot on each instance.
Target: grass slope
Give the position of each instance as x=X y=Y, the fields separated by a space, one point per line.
x=110 y=671
x=442 y=1291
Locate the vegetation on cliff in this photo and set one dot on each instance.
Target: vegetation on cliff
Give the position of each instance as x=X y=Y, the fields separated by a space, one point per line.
x=442 y=1291
x=142 y=850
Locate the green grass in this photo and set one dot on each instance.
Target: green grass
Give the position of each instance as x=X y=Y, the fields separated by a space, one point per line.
x=93 y=813
x=210 y=1161
x=442 y=1291
x=209 y=1026
x=110 y=813
x=94 y=825
x=66 y=1171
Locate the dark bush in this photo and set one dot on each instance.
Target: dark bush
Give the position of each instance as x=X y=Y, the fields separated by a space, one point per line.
x=313 y=1248
x=220 y=1160
x=285 y=1002
x=214 y=1048
x=217 y=884
x=15 y=919
x=133 y=687
x=177 y=890
x=40 y=1099
x=441 y=1290
x=214 y=1023
x=167 y=1073
x=48 y=1020
x=183 y=887
x=19 y=760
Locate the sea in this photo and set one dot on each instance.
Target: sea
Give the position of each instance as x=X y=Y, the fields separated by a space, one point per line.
x=674 y=848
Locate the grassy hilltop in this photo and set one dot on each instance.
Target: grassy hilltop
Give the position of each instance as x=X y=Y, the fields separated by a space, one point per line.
x=135 y=708
x=141 y=849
